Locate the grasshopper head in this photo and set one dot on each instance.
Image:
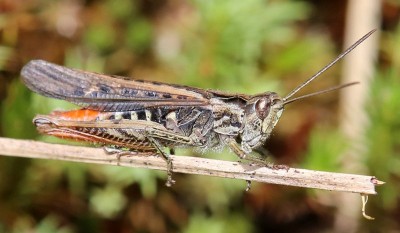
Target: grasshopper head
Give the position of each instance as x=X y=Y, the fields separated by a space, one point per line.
x=262 y=114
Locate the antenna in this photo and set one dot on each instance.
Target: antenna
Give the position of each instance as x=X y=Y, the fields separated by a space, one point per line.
x=320 y=92
x=348 y=50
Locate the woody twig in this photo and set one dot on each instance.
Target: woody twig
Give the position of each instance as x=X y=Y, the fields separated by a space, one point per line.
x=195 y=165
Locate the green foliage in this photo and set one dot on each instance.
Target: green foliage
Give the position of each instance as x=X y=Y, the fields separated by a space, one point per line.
x=16 y=114
x=50 y=224
x=325 y=150
x=139 y=35
x=234 y=223
x=122 y=9
x=384 y=132
x=108 y=201
x=5 y=53
x=100 y=36
x=123 y=177
x=230 y=41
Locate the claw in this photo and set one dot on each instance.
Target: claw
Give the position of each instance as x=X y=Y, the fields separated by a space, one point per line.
x=280 y=166
x=248 y=187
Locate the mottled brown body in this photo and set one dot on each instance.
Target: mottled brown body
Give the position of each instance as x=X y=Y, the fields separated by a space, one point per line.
x=144 y=117
x=130 y=113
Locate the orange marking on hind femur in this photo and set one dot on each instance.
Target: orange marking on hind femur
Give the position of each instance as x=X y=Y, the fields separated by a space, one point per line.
x=77 y=115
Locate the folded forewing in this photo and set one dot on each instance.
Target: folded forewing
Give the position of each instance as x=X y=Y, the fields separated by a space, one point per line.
x=107 y=93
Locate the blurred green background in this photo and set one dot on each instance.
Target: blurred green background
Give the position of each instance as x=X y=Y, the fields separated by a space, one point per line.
x=238 y=46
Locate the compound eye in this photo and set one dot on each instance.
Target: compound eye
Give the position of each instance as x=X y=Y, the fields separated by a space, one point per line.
x=262 y=107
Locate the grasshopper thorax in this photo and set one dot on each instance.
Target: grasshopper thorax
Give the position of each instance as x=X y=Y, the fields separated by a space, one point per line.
x=262 y=113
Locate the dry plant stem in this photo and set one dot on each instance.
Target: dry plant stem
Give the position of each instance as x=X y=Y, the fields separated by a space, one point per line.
x=361 y=16
x=195 y=165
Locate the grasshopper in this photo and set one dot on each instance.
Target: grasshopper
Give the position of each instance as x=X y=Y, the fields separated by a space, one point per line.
x=142 y=117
